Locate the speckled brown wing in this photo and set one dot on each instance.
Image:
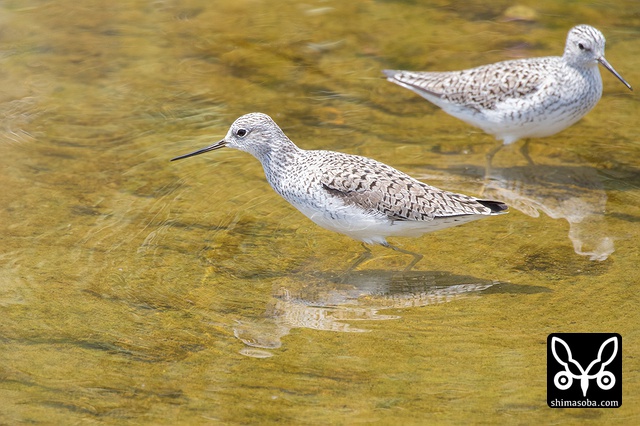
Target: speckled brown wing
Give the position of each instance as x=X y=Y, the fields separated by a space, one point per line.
x=381 y=189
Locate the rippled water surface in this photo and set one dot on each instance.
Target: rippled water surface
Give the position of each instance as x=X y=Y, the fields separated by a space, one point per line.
x=136 y=290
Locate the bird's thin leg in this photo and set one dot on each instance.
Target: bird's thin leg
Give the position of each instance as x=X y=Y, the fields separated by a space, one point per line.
x=524 y=150
x=416 y=256
x=364 y=256
x=490 y=156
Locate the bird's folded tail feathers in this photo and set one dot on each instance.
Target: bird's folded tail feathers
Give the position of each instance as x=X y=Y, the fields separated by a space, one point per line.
x=497 y=207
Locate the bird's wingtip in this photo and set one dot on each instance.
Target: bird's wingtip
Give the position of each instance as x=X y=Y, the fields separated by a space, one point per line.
x=497 y=207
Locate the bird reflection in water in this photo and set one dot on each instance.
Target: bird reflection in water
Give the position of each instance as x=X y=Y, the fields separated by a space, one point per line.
x=571 y=192
x=330 y=302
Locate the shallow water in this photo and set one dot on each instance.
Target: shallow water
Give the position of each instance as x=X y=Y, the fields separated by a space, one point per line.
x=135 y=290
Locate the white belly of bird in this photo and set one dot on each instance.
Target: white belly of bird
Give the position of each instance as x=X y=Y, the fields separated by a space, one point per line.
x=374 y=228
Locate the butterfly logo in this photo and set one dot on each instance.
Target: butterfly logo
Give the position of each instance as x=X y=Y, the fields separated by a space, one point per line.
x=573 y=370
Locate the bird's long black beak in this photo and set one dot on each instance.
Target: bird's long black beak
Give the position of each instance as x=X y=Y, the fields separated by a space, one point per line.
x=614 y=72
x=217 y=145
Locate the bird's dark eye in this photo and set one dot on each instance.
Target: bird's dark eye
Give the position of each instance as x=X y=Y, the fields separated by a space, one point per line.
x=241 y=132
x=580 y=46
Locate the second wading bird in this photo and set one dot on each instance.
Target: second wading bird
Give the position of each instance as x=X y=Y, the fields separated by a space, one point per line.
x=353 y=195
x=521 y=98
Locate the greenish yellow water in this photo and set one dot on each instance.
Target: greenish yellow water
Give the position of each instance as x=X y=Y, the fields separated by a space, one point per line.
x=135 y=290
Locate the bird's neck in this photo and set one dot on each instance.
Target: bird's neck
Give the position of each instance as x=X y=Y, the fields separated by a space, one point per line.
x=278 y=155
